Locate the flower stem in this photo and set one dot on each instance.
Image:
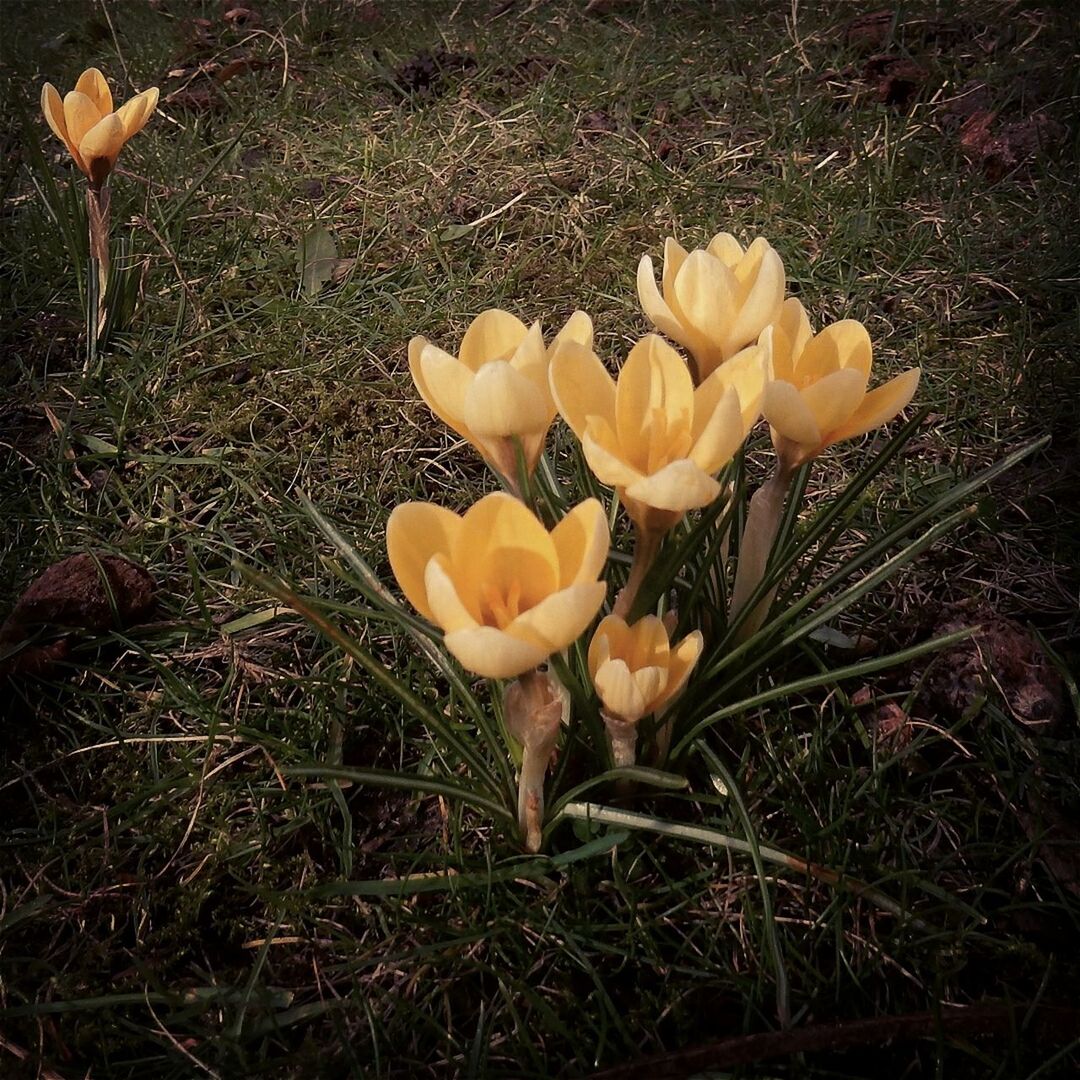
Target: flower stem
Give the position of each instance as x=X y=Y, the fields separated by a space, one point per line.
x=533 y=710
x=623 y=736
x=759 y=535
x=534 y=763
x=646 y=547
x=97 y=217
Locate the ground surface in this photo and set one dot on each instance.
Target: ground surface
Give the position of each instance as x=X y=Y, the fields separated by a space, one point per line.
x=174 y=905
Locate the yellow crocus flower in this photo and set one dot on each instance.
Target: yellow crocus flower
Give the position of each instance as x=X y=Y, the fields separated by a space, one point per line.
x=652 y=435
x=817 y=393
x=635 y=669
x=715 y=301
x=86 y=123
x=495 y=391
x=506 y=592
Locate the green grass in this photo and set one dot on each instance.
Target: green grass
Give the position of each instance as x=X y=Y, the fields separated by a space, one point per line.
x=173 y=903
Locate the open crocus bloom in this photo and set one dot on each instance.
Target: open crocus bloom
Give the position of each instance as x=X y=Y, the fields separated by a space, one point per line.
x=817 y=394
x=496 y=389
x=506 y=592
x=715 y=302
x=654 y=437
x=635 y=669
x=86 y=123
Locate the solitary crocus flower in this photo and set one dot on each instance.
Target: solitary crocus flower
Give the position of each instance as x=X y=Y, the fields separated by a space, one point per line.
x=654 y=437
x=715 y=302
x=495 y=391
x=817 y=394
x=636 y=672
x=85 y=121
x=506 y=592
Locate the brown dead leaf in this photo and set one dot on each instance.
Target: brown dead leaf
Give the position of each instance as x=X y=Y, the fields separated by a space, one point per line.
x=596 y=123
x=236 y=67
x=195 y=98
x=892 y=726
x=242 y=18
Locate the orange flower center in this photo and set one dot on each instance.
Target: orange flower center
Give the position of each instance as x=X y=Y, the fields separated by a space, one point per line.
x=500 y=608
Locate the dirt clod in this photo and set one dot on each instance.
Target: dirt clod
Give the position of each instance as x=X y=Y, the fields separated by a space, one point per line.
x=1000 y=655
x=897 y=81
x=424 y=73
x=1003 y=148
x=95 y=593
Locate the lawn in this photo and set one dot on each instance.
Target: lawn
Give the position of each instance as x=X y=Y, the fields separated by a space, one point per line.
x=183 y=894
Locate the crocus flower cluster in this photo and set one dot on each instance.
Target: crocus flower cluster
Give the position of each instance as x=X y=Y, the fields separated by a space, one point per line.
x=509 y=593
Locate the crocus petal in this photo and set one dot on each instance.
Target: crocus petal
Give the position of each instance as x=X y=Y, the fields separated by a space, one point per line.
x=843 y=345
x=448 y=609
x=92 y=83
x=611 y=638
x=102 y=142
x=785 y=340
x=53 y=108
x=577 y=328
x=655 y=307
x=722 y=435
x=503 y=546
x=745 y=374
x=581 y=386
x=137 y=110
x=531 y=357
x=80 y=115
x=492 y=335
x=879 y=406
x=443 y=382
x=581 y=542
x=705 y=291
x=600 y=446
x=415 y=533
x=679 y=486
x=674 y=256
x=648 y=644
x=683 y=658
x=492 y=653
x=650 y=682
x=704 y=301
x=500 y=402
x=561 y=618
x=653 y=379
x=619 y=692
x=834 y=399
x=726 y=248
x=784 y=408
x=765 y=296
